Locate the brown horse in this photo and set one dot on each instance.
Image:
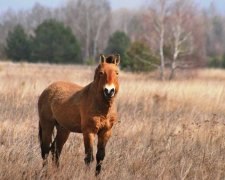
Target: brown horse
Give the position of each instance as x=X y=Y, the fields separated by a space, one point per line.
x=89 y=110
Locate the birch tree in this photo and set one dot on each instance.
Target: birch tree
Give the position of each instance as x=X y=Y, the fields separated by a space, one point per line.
x=157 y=17
x=161 y=30
x=181 y=28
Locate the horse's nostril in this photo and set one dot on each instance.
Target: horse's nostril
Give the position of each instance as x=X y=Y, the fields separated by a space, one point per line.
x=112 y=91
x=106 y=91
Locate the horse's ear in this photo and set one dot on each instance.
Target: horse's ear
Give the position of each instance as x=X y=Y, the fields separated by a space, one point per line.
x=102 y=58
x=117 y=59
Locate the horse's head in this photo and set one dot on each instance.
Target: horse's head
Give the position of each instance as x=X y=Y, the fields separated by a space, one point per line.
x=106 y=76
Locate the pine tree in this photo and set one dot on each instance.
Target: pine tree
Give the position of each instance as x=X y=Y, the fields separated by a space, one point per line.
x=18 y=44
x=55 y=43
x=118 y=43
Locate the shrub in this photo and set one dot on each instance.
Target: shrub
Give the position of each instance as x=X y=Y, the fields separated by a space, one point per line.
x=141 y=58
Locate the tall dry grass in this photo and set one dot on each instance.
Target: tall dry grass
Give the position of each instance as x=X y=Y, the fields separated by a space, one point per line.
x=167 y=130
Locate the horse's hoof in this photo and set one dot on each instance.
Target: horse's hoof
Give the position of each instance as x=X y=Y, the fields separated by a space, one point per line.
x=88 y=160
x=97 y=173
x=98 y=170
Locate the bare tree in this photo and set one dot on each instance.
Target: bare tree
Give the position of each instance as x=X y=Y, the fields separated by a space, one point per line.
x=181 y=19
x=173 y=30
x=121 y=20
x=29 y=19
x=36 y=16
x=90 y=21
x=156 y=17
x=215 y=31
x=161 y=29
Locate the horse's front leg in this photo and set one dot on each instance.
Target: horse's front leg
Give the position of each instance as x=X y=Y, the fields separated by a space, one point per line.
x=103 y=137
x=88 y=145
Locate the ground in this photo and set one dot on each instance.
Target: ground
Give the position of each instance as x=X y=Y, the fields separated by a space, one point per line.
x=166 y=130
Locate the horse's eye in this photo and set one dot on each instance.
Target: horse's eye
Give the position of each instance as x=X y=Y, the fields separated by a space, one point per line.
x=101 y=73
x=117 y=73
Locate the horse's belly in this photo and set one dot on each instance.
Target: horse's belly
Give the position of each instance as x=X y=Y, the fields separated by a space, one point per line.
x=72 y=125
x=74 y=128
x=69 y=118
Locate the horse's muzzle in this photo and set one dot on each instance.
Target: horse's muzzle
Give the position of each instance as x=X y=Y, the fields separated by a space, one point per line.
x=109 y=93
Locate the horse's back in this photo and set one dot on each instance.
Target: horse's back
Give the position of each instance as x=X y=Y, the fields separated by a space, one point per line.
x=64 y=87
x=56 y=93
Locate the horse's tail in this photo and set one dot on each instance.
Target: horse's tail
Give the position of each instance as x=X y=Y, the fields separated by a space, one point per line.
x=46 y=124
x=40 y=135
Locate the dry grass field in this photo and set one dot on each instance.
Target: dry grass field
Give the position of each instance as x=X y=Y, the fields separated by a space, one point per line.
x=167 y=130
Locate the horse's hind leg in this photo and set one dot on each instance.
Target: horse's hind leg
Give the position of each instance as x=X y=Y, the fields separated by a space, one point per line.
x=60 y=139
x=45 y=136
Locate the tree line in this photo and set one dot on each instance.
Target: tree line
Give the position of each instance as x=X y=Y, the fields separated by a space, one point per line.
x=52 y=42
x=162 y=34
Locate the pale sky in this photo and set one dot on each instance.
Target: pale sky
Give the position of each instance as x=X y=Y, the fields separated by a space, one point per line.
x=27 y=4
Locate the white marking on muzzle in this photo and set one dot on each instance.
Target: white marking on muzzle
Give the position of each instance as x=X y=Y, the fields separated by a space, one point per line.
x=109 y=88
